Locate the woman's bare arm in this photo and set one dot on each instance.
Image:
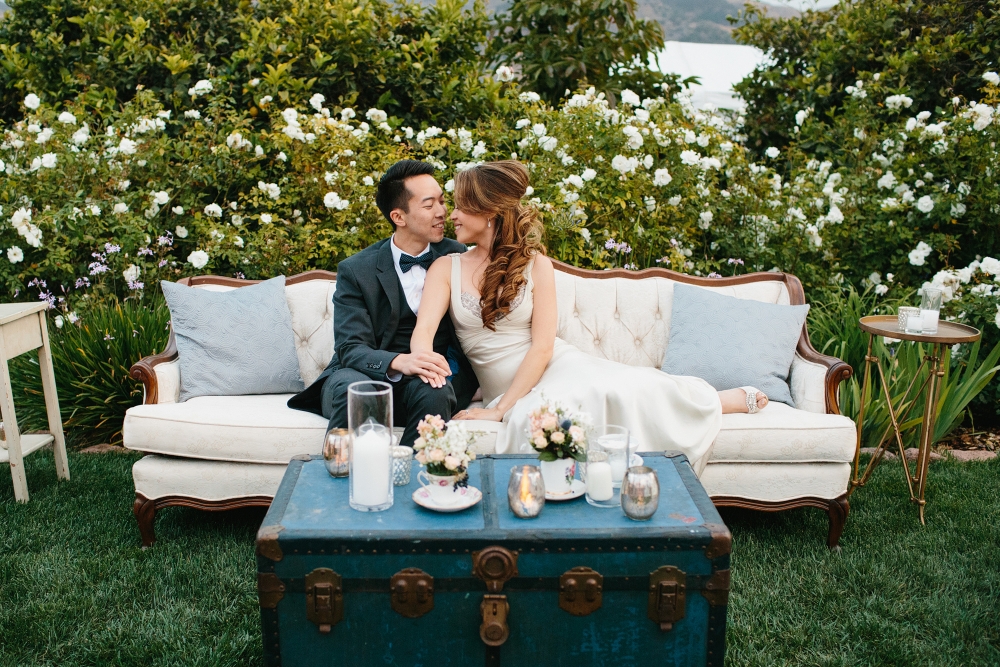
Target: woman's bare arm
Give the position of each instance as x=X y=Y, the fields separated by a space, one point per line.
x=433 y=307
x=544 y=322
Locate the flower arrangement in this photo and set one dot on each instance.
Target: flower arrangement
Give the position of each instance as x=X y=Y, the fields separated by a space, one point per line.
x=555 y=432
x=444 y=450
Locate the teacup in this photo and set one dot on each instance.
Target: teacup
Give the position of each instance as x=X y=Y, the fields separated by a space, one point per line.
x=440 y=488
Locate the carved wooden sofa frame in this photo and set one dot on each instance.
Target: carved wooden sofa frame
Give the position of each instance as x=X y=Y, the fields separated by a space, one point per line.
x=836 y=372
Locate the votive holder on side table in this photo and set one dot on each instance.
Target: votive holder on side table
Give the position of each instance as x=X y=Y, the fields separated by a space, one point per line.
x=640 y=493
x=402 y=463
x=337 y=451
x=905 y=315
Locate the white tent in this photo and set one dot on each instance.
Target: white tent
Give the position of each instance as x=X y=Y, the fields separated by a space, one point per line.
x=718 y=67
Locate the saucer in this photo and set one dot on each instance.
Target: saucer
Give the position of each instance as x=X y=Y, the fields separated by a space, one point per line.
x=467 y=495
x=577 y=489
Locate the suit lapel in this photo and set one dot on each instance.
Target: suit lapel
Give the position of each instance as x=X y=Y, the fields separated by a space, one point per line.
x=385 y=268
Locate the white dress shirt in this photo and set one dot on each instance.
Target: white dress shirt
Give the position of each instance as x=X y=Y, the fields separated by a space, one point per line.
x=413 y=280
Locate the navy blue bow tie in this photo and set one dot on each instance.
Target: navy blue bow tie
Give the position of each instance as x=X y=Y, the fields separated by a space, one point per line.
x=406 y=262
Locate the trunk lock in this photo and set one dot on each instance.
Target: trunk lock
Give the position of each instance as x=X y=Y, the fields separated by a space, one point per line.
x=580 y=591
x=412 y=592
x=324 y=598
x=495 y=566
x=666 y=597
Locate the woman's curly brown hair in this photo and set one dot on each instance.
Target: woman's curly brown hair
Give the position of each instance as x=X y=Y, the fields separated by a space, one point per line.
x=495 y=190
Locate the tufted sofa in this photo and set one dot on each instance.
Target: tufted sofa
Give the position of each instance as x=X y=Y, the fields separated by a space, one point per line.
x=221 y=452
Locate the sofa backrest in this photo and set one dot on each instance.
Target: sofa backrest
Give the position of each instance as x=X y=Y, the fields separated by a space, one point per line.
x=619 y=315
x=627 y=319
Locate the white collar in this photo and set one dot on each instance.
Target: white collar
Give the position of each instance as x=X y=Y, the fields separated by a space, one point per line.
x=397 y=252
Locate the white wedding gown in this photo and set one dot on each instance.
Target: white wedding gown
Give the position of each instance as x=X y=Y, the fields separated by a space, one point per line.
x=662 y=412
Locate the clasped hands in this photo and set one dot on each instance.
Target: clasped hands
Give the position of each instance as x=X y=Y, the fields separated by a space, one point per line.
x=432 y=368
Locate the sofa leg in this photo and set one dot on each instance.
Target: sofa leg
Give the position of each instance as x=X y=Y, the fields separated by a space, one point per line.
x=145 y=514
x=837 y=510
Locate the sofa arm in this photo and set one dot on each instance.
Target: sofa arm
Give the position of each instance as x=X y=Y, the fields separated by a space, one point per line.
x=160 y=375
x=809 y=368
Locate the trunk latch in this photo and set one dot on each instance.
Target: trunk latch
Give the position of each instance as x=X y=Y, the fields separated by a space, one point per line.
x=495 y=566
x=412 y=592
x=494 y=630
x=580 y=591
x=324 y=598
x=666 y=597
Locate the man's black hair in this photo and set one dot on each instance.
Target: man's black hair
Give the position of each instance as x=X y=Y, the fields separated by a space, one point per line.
x=392 y=192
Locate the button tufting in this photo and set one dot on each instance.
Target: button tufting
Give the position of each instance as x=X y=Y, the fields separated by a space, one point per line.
x=638 y=342
x=616 y=315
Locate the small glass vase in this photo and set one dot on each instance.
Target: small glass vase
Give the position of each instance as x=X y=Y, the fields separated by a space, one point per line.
x=930 y=309
x=600 y=488
x=369 y=418
x=614 y=440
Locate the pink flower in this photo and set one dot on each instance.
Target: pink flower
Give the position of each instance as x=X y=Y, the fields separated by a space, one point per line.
x=452 y=462
x=540 y=443
x=435 y=456
x=577 y=434
x=549 y=422
x=421 y=459
x=558 y=437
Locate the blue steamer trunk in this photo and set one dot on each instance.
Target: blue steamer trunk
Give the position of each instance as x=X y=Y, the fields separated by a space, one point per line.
x=578 y=585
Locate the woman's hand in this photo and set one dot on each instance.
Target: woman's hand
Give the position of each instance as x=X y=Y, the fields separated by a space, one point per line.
x=484 y=414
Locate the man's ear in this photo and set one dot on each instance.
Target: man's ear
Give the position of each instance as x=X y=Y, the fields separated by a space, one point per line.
x=397 y=217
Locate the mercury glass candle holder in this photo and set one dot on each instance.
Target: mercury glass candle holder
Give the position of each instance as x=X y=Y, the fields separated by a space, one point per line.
x=526 y=491
x=337 y=451
x=640 y=493
x=402 y=463
x=904 y=314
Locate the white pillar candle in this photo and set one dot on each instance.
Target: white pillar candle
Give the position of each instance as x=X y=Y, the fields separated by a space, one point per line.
x=599 y=486
x=371 y=469
x=617 y=450
x=929 y=321
x=914 y=324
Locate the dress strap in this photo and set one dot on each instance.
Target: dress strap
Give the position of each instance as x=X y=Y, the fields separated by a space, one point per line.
x=456 y=278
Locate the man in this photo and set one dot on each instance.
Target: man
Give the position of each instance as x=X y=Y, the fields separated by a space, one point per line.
x=375 y=311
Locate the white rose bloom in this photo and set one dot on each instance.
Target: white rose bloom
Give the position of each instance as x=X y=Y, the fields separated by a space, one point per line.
x=835 y=216
x=575 y=181
x=376 y=116
x=529 y=98
x=675 y=200
x=266 y=218
x=93 y=210
x=992 y=77
x=480 y=150
x=548 y=143
x=81 y=136
x=58 y=319
x=282 y=157
x=203 y=87
x=270 y=189
x=772 y=152
x=368 y=180
x=333 y=200
x=213 y=211
x=523 y=123
x=996 y=320
x=161 y=197
x=44 y=136
x=192 y=113
x=588 y=174
x=131 y=274
x=881 y=290
x=31 y=101
x=662 y=177
x=258 y=151
x=647 y=162
x=126 y=146
x=957 y=210
x=897 y=101
x=316 y=101
x=120 y=207
x=530 y=191
x=624 y=165
x=198 y=259
x=178 y=210
x=14 y=255
x=990 y=265
x=49 y=160
x=503 y=74
x=887 y=180
x=925 y=204
x=67 y=118
x=630 y=98
x=539 y=129
x=919 y=254
x=450 y=185
x=705 y=218
x=801 y=115
x=690 y=158
x=346 y=114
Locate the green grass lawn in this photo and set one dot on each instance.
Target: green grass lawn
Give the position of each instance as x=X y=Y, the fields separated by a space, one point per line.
x=76 y=589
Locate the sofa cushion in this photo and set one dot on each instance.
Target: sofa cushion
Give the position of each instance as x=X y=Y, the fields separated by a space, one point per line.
x=237 y=342
x=250 y=429
x=733 y=342
x=776 y=482
x=780 y=433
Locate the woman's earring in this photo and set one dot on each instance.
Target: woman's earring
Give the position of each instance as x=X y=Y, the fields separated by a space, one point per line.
x=489 y=223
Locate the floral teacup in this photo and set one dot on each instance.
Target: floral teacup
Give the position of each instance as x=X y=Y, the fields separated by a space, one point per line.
x=440 y=488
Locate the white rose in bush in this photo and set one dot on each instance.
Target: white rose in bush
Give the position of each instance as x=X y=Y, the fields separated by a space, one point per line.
x=925 y=204
x=198 y=259
x=333 y=200
x=160 y=198
x=662 y=177
x=67 y=118
x=31 y=101
x=203 y=87
x=131 y=274
x=14 y=255
x=919 y=254
x=120 y=207
x=213 y=211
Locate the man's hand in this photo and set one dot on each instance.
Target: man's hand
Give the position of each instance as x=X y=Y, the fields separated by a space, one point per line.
x=431 y=367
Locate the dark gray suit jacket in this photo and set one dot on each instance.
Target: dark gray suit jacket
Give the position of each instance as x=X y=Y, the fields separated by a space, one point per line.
x=366 y=310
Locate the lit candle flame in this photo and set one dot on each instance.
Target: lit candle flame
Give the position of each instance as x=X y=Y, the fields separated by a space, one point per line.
x=525 y=489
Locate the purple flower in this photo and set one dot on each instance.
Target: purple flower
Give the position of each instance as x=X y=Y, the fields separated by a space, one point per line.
x=37 y=282
x=610 y=244
x=112 y=248
x=162 y=263
x=47 y=298
x=733 y=260
x=100 y=256
x=108 y=337
x=631 y=267
x=135 y=285
x=82 y=282
x=96 y=268
x=663 y=260
x=713 y=274
x=144 y=251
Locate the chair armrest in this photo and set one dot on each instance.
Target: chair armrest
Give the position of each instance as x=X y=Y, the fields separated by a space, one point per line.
x=836 y=371
x=160 y=385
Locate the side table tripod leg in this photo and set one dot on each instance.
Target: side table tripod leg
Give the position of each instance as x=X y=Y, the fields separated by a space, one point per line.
x=865 y=390
x=10 y=428
x=927 y=430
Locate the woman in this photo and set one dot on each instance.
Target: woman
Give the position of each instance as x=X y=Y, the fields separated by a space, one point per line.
x=501 y=295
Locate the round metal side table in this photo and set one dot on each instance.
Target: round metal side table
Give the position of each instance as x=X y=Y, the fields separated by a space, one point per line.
x=948 y=333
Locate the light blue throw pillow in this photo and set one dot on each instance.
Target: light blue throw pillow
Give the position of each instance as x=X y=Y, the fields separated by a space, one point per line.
x=732 y=342
x=235 y=342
